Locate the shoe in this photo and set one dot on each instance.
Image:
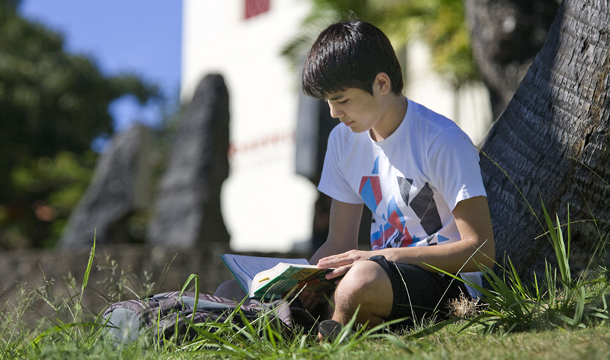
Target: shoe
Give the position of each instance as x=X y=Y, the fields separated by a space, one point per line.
x=329 y=330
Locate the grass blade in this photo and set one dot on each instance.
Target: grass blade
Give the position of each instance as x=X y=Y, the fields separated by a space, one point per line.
x=88 y=270
x=60 y=328
x=579 y=309
x=188 y=281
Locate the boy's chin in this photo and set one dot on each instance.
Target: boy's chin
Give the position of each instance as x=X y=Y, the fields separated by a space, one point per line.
x=358 y=130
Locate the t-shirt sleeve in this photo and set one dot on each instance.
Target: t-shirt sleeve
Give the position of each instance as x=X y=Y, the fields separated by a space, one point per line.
x=332 y=181
x=453 y=162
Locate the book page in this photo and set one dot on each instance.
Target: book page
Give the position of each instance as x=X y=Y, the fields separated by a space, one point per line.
x=252 y=265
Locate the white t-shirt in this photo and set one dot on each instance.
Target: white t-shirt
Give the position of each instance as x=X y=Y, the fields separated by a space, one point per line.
x=411 y=181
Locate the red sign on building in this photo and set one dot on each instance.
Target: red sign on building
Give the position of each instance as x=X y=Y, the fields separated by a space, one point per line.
x=256 y=7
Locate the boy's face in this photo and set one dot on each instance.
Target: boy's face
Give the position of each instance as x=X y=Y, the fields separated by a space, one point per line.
x=356 y=108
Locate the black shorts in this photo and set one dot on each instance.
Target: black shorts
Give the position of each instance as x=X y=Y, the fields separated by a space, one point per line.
x=418 y=293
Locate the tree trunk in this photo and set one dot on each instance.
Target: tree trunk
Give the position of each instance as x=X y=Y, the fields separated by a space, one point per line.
x=506 y=35
x=551 y=144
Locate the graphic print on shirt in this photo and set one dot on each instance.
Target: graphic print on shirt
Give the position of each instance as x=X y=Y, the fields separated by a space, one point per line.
x=393 y=231
x=425 y=208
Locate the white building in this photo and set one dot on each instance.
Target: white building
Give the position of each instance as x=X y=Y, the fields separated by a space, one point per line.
x=266 y=206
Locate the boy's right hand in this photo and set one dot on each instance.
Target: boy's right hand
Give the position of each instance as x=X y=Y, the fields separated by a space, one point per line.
x=341 y=263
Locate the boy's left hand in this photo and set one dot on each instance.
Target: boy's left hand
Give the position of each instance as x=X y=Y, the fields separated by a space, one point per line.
x=309 y=300
x=342 y=262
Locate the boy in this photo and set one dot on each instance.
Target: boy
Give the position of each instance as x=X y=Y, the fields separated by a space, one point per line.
x=416 y=171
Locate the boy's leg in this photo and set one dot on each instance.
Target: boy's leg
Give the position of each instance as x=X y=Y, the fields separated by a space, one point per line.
x=231 y=290
x=365 y=287
x=386 y=290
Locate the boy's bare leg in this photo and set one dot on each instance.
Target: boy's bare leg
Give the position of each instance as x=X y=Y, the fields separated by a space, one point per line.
x=366 y=285
x=231 y=290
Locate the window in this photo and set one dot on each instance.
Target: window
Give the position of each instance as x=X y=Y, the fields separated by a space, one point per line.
x=256 y=7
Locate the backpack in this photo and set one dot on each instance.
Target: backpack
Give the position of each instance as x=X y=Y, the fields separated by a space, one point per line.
x=170 y=314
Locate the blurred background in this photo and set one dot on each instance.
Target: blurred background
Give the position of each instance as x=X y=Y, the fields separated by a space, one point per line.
x=182 y=124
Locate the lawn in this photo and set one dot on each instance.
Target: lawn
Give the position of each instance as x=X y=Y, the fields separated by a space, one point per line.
x=561 y=317
x=448 y=343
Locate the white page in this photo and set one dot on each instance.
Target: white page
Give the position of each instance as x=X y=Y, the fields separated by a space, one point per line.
x=252 y=265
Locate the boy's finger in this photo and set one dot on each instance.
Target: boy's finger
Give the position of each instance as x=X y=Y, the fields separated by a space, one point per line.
x=335 y=257
x=312 y=303
x=340 y=271
x=334 y=263
x=309 y=300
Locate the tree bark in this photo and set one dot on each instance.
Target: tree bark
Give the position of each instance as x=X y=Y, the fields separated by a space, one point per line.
x=551 y=144
x=506 y=35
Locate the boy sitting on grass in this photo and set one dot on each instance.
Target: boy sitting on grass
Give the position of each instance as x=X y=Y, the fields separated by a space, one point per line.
x=416 y=171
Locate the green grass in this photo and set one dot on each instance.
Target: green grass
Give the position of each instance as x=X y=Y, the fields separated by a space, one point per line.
x=562 y=317
x=451 y=344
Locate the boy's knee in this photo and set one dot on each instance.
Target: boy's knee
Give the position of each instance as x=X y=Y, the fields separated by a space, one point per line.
x=363 y=274
x=365 y=281
x=231 y=290
x=365 y=286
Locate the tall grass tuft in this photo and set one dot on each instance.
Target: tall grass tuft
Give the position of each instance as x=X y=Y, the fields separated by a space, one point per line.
x=266 y=337
x=560 y=301
x=72 y=332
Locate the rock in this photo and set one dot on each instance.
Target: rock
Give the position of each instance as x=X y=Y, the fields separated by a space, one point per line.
x=121 y=185
x=188 y=203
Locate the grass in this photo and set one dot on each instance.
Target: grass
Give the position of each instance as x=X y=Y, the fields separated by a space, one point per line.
x=450 y=343
x=563 y=316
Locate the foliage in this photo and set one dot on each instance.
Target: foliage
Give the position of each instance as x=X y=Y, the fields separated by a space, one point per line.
x=45 y=191
x=51 y=102
x=440 y=24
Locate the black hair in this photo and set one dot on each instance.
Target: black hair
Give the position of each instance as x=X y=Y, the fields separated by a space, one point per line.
x=349 y=54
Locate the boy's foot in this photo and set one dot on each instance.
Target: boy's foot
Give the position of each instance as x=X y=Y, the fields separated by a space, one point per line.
x=328 y=330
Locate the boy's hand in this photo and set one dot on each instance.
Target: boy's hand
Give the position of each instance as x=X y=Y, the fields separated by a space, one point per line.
x=342 y=262
x=309 y=300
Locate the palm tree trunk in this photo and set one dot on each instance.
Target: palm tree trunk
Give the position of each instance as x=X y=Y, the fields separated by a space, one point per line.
x=551 y=144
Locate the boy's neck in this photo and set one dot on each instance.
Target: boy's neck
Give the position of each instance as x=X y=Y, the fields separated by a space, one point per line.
x=391 y=119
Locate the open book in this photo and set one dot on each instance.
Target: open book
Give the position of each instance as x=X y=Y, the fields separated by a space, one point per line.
x=264 y=277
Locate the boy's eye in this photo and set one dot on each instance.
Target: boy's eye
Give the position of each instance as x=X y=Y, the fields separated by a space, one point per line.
x=343 y=101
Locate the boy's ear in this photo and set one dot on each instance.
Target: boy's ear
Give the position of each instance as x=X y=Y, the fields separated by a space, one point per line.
x=382 y=83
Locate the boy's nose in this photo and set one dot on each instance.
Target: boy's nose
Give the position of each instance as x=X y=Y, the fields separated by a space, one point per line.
x=335 y=112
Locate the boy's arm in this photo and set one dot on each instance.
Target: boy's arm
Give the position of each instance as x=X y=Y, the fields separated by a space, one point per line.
x=343 y=231
x=474 y=224
x=342 y=237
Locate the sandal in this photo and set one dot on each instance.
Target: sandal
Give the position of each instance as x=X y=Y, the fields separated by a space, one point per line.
x=329 y=330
